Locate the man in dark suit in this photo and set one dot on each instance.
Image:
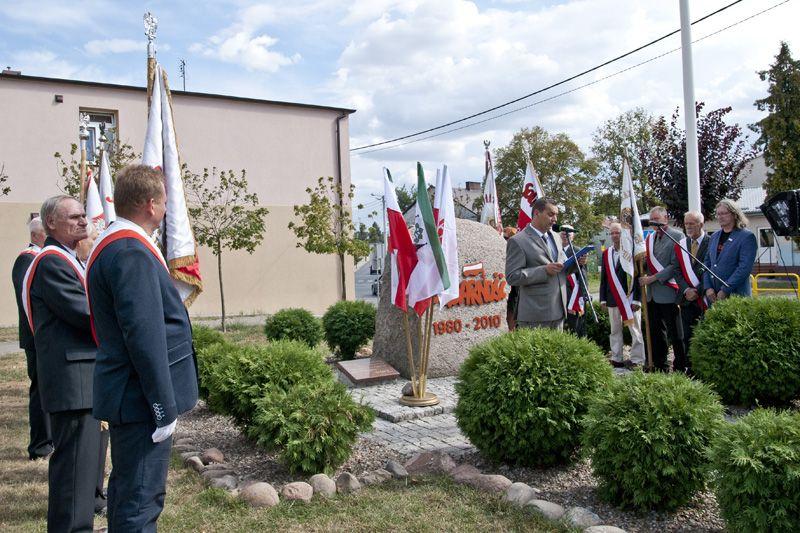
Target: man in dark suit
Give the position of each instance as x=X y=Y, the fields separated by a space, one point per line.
x=691 y=300
x=663 y=288
x=576 y=317
x=65 y=352
x=41 y=444
x=535 y=264
x=731 y=254
x=623 y=307
x=146 y=371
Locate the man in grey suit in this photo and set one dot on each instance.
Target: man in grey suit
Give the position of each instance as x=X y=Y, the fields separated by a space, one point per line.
x=664 y=283
x=535 y=263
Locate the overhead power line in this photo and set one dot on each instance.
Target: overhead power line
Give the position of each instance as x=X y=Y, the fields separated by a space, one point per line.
x=574 y=89
x=552 y=86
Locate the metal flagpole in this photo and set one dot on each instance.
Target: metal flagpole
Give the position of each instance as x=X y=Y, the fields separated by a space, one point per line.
x=83 y=134
x=150 y=28
x=692 y=163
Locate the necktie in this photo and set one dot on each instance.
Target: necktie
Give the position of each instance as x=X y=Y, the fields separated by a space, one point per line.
x=549 y=246
x=695 y=246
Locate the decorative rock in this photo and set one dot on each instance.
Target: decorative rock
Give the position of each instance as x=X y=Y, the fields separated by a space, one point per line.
x=520 y=493
x=375 y=477
x=549 y=510
x=347 y=483
x=323 y=485
x=183 y=441
x=259 y=494
x=582 y=517
x=194 y=463
x=490 y=482
x=186 y=455
x=465 y=473
x=603 y=529
x=181 y=448
x=213 y=474
x=396 y=469
x=225 y=482
x=408 y=390
x=212 y=455
x=430 y=463
x=299 y=490
x=219 y=466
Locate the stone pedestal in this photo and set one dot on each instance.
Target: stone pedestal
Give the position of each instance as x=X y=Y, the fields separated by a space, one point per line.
x=478 y=314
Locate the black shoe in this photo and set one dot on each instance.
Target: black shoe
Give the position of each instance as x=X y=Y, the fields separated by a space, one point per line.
x=616 y=364
x=630 y=365
x=42 y=452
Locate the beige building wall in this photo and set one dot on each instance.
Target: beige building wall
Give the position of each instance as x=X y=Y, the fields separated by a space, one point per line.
x=283 y=147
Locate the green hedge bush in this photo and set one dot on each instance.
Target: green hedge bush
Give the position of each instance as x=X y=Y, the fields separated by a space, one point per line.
x=294 y=324
x=599 y=332
x=243 y=374
x=748 y=349
x=348 y=326
x=522 y=394
x=203 y=336
x=648 y=436
x=757 y=464
x=314 y=426
x=205 y=340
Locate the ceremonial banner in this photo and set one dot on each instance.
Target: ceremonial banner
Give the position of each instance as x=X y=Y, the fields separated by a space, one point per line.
x=437 y=200
x=94 y=205
x=575 y=303
x=632 y=238
x=531 y=191
x=106 y=190
x=430 y=276
x=402 y=253
x=161 y=151
x=491 y=205
x=446 y=229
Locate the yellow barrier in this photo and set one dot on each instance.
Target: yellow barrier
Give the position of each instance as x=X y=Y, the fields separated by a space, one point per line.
x=757 y=290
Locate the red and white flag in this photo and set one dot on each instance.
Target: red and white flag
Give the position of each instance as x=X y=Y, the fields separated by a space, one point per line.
x=491 y=204
x=575 y=299
x=531 y=191
x=106 y=189
x=94 y=205
x=402 y=253
x=444 y=208
x=161 y=151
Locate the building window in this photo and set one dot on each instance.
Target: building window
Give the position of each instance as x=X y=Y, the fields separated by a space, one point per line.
x=766 y=237
x=101 y=124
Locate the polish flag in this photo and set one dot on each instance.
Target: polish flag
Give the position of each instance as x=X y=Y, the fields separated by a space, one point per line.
x=531 y=191
x=402 y=253
x=106 y=190
x=94 y=206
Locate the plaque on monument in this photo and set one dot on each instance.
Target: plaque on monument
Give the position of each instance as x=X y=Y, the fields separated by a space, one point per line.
x=478 y=314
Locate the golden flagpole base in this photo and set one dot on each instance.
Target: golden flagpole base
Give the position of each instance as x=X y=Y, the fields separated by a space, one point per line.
x=426 y=401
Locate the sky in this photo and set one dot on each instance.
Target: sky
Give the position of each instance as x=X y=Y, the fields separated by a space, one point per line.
x=408 y=65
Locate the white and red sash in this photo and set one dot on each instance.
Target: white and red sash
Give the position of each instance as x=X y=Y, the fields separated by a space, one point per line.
x=120 y=229
x=27 y=281
x=688 y=272
x=32 y=249
x=653 y=262
x=575 y=301
x=622 y=300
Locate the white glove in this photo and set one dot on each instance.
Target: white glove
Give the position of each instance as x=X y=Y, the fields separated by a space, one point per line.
x=163 y=433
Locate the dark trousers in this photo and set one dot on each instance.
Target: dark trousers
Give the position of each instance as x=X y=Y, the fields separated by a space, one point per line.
x=690 y=316
x=72 y=475
x=666 y=328
x=138 y=481
x=41 y=443
x=576 y=323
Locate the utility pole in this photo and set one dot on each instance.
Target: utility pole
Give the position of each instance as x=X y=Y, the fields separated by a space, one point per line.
x=182 y=68
x=692 y=162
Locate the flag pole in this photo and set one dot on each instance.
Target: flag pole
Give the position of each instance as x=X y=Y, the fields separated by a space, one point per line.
x=150 y=28
x=640 y=267
x=410 y=353
x=83 y=134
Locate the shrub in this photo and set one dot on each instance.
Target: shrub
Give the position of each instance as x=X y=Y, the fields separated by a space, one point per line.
x=294 y=324
x=208 y=358
x=648 y=436
x=757 y=461
x=599 y=332
x=203 y=336
x=522 y=394
x=748 y=349
x=314 y=426
x=348 y=326
x=204 y=340
x=243 y=374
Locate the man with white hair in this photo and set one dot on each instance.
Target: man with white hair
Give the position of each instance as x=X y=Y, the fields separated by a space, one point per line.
x=692 y=300
x=41 y=444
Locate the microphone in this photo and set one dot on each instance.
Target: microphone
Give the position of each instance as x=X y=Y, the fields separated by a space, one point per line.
x=564 y=228
x=654 y=224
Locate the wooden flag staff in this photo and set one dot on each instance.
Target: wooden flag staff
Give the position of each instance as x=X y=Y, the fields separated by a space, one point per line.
x=83 y=134
x=420 y=397
x=640 y=262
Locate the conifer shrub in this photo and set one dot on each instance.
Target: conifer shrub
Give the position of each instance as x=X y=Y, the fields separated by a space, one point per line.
x=205 y=340
x=757 y=466
x=522 y=394
x=648 y=436
x=348 y=326
x=313 y=425
x=748 y=349
x=241 y=375
x=294 y=324
x=203 y=336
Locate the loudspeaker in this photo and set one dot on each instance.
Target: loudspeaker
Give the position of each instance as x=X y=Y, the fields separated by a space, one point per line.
x=783 y=213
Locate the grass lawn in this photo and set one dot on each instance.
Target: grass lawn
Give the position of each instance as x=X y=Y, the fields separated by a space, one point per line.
x=428 y=504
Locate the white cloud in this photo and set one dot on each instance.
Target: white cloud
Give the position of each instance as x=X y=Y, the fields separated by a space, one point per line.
x=100 y=47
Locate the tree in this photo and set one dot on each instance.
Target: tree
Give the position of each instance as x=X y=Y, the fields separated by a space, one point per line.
x=120 y=155
x=565 y=173
x=780 y=129
x=723 y=152
x=325 y=225
x=224 y=215
x=631 y=133
x=4 y=189
x=406 y=196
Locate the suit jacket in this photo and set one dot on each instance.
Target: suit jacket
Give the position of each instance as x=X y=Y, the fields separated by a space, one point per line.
x=65 y=350
x=696 y=267
x=21 y=265
x=605 y=292
x=542 y=298
x=568 y=251
x=146 y=368
x=664 y=251
x=734 y=264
